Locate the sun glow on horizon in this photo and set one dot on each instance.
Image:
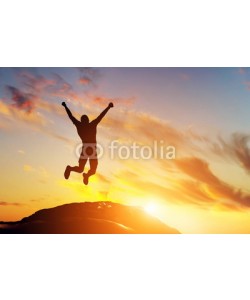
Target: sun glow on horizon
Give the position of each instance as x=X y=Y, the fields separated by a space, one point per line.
x=150 y=208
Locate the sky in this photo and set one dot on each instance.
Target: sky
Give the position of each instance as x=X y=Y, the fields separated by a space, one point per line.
x=203 y=113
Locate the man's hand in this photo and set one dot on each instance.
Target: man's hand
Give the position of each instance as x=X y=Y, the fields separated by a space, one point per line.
x=64 y=104
x=99 y=118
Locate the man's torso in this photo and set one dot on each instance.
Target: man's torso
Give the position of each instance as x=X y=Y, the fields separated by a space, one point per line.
x=87 y=132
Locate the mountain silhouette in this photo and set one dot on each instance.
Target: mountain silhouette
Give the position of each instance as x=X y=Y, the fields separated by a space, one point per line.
x=88 y=217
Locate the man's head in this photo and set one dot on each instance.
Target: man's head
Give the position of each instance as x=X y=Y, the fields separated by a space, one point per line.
x=84 y=119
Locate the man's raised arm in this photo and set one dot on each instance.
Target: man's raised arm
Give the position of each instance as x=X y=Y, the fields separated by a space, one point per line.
x=99 y=118
x=72 y=118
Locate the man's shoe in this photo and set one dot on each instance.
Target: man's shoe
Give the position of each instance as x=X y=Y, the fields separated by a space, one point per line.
x=85 y=178
x=67 y=172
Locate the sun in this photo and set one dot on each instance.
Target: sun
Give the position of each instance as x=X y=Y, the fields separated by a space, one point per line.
x=150 y=208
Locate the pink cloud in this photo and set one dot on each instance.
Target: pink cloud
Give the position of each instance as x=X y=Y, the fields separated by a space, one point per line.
x=21 y=100
x=242 y=71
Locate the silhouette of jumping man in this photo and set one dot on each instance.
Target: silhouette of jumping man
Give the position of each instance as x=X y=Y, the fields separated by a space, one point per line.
x=87 y=132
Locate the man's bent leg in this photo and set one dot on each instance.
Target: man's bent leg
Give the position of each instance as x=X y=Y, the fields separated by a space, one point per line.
x=93 y=166
x=78 y=169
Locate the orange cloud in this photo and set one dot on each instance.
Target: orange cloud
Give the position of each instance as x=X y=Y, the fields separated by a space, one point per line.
x=84 y=80
x=4 y=203
x=216 y=189
x=131 y=126
x=13 y=113
x=88 y=76
x=118 y=102
x=35 y=120
x=4 y=109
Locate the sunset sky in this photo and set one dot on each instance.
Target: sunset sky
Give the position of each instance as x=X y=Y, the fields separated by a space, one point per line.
x=203 y=112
